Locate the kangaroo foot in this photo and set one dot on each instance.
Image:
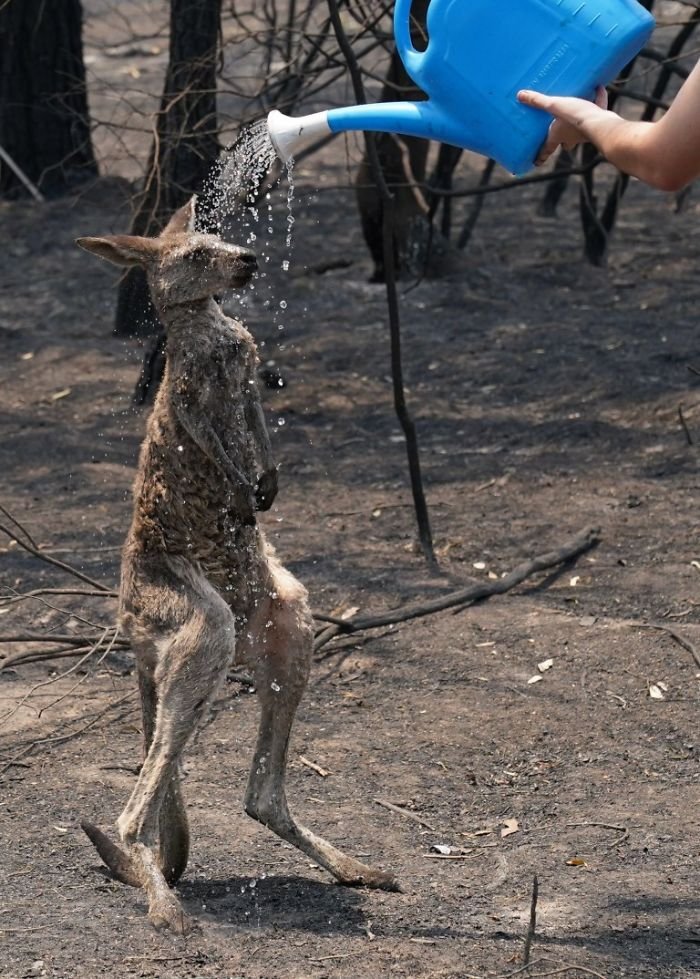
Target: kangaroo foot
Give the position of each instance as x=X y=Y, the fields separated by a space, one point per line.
x=119 y=862
x=139 y=868
x=271 y=810
x=165 y=913
x=164 y=910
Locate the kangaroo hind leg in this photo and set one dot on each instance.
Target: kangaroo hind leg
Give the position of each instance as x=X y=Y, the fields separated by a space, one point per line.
x=278 y=647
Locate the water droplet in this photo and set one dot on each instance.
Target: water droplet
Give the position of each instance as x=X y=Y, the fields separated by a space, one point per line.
x=275 y=686
x=281 y=421
x=283 y=303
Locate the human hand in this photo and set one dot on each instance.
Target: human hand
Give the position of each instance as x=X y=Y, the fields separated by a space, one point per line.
x=570 y=115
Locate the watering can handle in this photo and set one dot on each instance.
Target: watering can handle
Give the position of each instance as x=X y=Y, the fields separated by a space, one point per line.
x=412 y=59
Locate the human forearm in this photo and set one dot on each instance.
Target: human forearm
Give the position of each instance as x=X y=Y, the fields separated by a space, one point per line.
x=633 y=148
x=665 y=154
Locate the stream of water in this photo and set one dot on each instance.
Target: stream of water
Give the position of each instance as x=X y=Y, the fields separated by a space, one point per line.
x=235 y=181
x=243 y=203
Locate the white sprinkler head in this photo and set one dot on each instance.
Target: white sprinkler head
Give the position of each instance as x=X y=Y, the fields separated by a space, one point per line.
x=288 y=134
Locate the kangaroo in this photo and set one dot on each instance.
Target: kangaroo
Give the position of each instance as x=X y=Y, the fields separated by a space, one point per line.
x=201 y=588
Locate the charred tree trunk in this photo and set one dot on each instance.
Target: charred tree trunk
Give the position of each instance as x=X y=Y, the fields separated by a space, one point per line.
x=184 y=149
x=403 y=160
x=44 y=122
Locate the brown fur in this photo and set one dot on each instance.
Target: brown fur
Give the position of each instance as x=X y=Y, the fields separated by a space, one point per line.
x=201 y=588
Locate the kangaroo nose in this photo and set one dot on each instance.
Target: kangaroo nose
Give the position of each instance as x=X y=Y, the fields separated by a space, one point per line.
x=248 y=259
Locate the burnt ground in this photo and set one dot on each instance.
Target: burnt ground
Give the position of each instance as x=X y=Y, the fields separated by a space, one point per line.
x=546 y=395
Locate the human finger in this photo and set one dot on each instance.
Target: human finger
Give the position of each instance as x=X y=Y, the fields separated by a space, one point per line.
x=534 y=99
x=601 y=97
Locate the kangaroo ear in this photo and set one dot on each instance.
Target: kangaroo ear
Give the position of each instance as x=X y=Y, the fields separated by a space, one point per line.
x=182 y=220
x=120 y=249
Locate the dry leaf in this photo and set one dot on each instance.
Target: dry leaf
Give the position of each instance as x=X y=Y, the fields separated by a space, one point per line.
x=575 y=580
x=479 y=565
x=545 y=665
x=349 y=612
x=510 y=826
x=576 y=862
x=493 y=576
x=655 y=692
x=441 y=848
x=535 y=679
x=61 y=394
x=28 y=356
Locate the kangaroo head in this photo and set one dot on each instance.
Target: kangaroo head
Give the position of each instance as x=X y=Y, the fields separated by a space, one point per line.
x=182 y=265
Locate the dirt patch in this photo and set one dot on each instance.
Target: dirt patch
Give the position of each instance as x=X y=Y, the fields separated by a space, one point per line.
x=546 y=395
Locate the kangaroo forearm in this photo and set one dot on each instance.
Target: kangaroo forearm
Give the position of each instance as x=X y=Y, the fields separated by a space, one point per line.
x=255 y=419
x=201 y=431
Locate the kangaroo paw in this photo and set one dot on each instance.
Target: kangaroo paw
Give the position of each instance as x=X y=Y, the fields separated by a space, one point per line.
x=114 y=857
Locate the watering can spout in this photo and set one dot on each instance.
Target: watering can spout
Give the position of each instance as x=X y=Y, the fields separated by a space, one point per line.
x=289 y=135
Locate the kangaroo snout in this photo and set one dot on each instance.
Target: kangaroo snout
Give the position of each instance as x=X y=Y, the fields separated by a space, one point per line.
x=245 y=265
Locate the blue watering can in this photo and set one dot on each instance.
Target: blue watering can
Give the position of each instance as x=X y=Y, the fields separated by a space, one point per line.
x=480 y=53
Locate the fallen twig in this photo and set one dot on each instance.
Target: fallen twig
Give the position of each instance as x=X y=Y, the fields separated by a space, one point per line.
x=103 y=656
x=36 y=592
x=618 y=829
x=45 y=637
x=454 y=856
x=563 y=971
x=81 y=643
x=19 y=526
x=35 y=552
x=583 y=542
x=41 y=655
x=680 y=639
x=54 y=679
x=323 y=772
x=63 y=738
x=340 y=955
x=405 y=812
x=69 y=613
